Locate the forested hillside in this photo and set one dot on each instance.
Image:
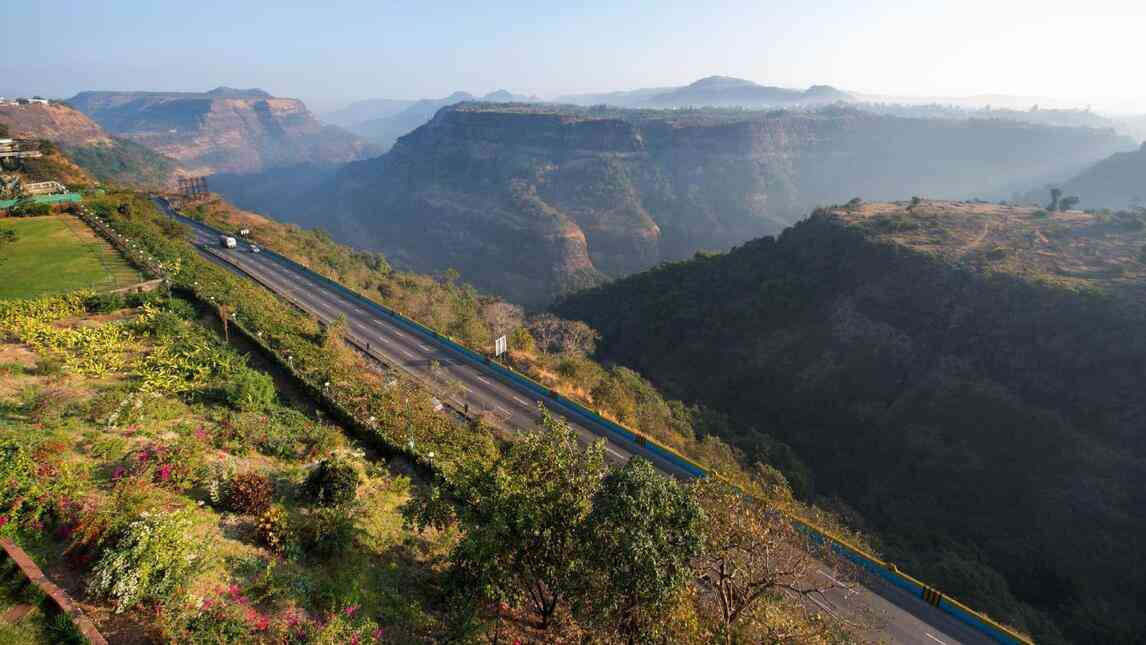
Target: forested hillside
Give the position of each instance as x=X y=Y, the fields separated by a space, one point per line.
x=967 y=377
x=1117 y=182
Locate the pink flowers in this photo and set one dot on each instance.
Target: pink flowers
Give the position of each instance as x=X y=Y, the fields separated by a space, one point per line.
x=257 y=620
x=3 y=520
x=119 y=473
x=354 y=639
x=201 y=433
x=349 y=611
x=377 y=635
x=165 y=472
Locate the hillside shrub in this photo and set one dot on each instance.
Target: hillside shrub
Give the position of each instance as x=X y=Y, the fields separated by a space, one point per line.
x=326 y=532
x=333 y=482
x=250 y=494
x=250 y=389
x=153 y=558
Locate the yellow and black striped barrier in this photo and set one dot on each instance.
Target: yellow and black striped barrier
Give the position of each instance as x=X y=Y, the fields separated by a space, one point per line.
x=931 y=596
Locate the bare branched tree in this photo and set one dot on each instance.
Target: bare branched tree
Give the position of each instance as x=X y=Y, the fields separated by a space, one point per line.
x=559 y=336
x=751 y=552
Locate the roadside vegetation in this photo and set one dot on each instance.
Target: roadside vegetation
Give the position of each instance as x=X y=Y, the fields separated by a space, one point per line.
x=184 y=495
x=553 y=351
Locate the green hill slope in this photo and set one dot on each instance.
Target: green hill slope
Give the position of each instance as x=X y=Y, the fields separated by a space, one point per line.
x=968 y=377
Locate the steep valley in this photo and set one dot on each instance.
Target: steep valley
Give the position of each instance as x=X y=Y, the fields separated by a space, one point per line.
x=533 y=201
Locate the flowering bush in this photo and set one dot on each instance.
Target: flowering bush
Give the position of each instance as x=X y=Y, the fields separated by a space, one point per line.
x=333 y=482
x=274 y=529
x=155 y=555
x=250 y=494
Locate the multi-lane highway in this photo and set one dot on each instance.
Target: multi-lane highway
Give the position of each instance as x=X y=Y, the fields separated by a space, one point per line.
x=898 y=616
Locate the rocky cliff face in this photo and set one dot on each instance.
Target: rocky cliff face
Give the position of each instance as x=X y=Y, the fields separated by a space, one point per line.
x=530 y=201
x=101 y=156
x=52 y=122
x=223 y=130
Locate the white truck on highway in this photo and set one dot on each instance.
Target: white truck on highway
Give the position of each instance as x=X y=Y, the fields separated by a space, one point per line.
x=227 y=242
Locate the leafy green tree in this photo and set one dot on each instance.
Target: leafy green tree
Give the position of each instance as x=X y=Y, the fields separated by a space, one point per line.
x=521 y=518
x=1056 y=195
x=1068 y=203
x=643 y=532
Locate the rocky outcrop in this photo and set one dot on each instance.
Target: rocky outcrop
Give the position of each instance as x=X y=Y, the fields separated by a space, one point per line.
x=51 y=122
x=223 y=130
x=85 y=144
x=531 y=201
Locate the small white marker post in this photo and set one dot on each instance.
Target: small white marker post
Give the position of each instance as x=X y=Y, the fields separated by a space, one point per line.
x=499 y=346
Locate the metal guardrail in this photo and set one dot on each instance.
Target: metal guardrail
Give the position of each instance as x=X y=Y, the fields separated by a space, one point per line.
x=866 y=561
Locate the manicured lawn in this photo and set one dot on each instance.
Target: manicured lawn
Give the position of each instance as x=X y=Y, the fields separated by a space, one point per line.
x=56 y=254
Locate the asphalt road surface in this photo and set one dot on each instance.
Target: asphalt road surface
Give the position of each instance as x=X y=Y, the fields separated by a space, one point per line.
x=894 y=615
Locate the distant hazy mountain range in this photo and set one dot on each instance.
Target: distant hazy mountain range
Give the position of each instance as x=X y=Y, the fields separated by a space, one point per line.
x=713 y=91
x=382 y=121
x=389 y=120
x=222 y=130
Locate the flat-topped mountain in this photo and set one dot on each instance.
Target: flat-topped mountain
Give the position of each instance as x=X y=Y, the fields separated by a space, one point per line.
x=967 y=376
x=529 y=201
x=222 y=130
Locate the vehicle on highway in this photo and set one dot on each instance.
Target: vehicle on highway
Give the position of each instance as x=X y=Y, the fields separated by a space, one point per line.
x=255 y=248
x=226 y=241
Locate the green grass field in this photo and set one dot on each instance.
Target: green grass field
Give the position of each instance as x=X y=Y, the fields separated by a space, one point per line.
x=56 y=254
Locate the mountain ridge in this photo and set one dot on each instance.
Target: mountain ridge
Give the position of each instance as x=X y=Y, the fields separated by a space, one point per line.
x=222 y=130
x=577 y=195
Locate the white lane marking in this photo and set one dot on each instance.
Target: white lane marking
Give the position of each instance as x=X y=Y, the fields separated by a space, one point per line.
x=425 y=348
x=933 y=638
x=820 y=603
x=520 y=400
x=507 y=412
x=483 y=380
x=622 y=456
x=825 y=574
x=403 y=350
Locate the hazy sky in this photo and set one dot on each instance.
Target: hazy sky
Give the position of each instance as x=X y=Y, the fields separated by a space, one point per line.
x=1089 y=52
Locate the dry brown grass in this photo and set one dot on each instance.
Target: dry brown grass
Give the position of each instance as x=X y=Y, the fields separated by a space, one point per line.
x=1074 y=249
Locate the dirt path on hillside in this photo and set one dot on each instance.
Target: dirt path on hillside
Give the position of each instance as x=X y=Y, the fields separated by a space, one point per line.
x=979 y=239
